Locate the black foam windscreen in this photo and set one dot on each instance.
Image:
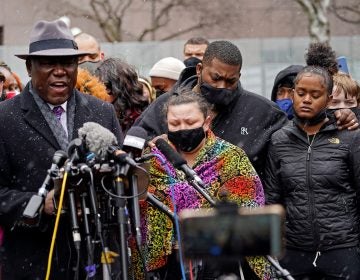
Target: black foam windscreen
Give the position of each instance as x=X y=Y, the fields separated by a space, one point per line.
x=173 y=156
x=135 y=138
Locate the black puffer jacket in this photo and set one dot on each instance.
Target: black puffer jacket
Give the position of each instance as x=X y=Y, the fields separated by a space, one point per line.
x=317 y=184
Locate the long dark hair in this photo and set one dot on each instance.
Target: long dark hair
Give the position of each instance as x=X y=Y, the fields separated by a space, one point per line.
x=121 y=80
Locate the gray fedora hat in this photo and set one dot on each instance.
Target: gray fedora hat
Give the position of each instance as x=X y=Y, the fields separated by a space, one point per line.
x=51 y=38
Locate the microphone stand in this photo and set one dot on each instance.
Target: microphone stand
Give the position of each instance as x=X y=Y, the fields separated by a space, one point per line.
x=75 y=226
x=135 y=207
x=283 y=272
x=89 y=243
x=119 y=172
x=201 y=190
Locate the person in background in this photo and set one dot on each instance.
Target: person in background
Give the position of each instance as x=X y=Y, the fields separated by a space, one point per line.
x=165 y=73
x=148 y=91
x=223 y=167
x=346 y=92
x=12 y=85
x=90 y=84
x=283 y=88
x=195 y=47
x=35 y=124
x=2 y=81
x=89 y=44
x=240 y=117
x=313 y=170
x=126 y=92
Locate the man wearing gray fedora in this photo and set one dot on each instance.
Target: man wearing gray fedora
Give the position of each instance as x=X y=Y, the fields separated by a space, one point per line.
x=44 y=118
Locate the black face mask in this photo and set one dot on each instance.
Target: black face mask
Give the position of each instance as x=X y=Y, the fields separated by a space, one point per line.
x=159 y=92
x=187 y=140
x=318 y=118
x=218 y=96
x=91 y=66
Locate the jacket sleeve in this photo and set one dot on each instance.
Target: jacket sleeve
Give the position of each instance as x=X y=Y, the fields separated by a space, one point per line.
x=354 y=163
x=12 y=201
x=272 y=187
x=153 y=119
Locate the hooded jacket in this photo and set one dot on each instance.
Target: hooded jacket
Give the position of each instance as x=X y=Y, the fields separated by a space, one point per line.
x=318 y=184
x=248 y=122
x=291 y=70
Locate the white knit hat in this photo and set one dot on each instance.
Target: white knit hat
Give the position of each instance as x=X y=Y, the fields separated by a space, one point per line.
x=168 y=67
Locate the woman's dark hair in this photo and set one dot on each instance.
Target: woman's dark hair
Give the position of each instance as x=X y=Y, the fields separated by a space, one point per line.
x=320 y=71
x=187 y=96
x=121 y=80
x=321 y=54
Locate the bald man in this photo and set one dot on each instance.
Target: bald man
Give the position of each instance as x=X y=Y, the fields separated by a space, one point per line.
x=89 y=44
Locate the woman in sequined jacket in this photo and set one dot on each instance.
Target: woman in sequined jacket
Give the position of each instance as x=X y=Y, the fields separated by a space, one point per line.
x=224 y=168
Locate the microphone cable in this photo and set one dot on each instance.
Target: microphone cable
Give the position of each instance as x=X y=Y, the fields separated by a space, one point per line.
x=106 y=256
x=57 y=220
x=124 y=196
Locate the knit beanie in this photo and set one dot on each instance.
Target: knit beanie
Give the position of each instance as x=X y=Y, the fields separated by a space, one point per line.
x=168 y=67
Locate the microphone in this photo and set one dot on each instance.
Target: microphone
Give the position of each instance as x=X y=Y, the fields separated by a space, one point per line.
x=179 y=163
x=37 y=200
x=97 y=138
x=134 y=143
x=159 y=205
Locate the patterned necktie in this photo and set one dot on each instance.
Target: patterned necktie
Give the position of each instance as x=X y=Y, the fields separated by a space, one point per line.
x=58 y=110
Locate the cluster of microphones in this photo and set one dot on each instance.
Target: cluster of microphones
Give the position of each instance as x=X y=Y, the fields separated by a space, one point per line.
x=97 y=145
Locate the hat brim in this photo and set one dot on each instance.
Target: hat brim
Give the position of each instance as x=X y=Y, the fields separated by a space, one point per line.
x=53 y=52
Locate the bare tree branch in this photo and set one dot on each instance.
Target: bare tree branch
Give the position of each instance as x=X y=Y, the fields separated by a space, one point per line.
x=110 y=14
x=347 y=13
x=316 y=10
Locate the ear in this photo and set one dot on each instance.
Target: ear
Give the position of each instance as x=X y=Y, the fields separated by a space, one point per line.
x=199 y=67
x=292 y=95
x=328 y=100
x=207 y=123
x=28 y=66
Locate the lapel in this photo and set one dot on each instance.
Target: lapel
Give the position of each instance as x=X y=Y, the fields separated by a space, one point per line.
x=83 y=112
x=33 y=116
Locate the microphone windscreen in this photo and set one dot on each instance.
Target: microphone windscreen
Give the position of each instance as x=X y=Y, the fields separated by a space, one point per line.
x=135 y=138
x=97 y=138
x=173 y=156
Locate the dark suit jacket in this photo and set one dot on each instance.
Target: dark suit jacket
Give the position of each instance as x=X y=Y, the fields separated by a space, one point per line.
x=27 y=146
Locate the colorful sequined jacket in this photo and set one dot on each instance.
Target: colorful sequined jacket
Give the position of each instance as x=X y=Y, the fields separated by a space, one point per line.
x=225 y=169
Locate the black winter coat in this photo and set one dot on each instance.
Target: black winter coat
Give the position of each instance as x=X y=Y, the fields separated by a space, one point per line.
x=27 y=146
x=317 y=184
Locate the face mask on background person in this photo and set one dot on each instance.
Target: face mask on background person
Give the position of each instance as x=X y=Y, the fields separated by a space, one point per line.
x=286 y=106
x=187 y=140
x=91 y=66
x=159 y=92
x=217 y=96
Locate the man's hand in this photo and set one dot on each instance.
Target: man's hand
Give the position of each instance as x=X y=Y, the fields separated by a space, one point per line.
x=49 y=204
x=151 y=143
x=346 y=119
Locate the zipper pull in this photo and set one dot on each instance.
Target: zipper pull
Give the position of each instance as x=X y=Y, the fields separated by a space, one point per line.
x=318 y=254
x=308 y=153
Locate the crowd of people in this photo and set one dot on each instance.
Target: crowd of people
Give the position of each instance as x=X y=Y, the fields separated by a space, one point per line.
x=300 y=150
